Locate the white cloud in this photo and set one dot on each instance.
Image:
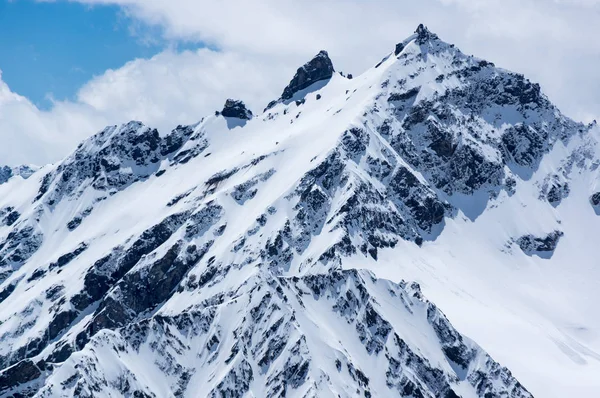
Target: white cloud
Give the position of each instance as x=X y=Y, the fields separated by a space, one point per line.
x=552 y=41
x=163 y=91
x=28 y=135
x=261 y=42
x=173 y=88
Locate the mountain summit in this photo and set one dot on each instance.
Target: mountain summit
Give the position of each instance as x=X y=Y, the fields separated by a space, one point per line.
x=250 y=259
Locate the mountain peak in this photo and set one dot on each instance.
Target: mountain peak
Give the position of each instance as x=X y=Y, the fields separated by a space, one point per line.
x=421 y=36
x=424 y=34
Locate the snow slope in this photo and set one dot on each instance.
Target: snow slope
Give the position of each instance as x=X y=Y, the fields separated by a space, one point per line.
x=267 y=255
x=535 y=314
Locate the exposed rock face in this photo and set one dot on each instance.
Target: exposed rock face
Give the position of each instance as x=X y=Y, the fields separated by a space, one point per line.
x=24 y=171
x=317 y=69
x=22 y=374
x=115 y=158
x=557 y=193
x=399 y=48
x=440 y=136
x=424 y=35
x=539 y=245
x=237 y=109
x=106 y=163
x=19 y=245
x=5 y=174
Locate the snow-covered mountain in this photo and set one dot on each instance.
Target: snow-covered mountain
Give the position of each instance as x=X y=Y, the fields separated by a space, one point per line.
x=416 y=231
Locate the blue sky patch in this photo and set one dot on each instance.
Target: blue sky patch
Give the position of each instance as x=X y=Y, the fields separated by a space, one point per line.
x=50 y=49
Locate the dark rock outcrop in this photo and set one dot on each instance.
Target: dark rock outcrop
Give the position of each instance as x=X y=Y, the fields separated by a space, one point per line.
x=317 y=69
x=595 y=202
x=557 y=191
x=20 y=244
x=22 y=373
x=237 y=109
x=399 y=48
x=7 y=173
x=541 y=246
x=424 y=35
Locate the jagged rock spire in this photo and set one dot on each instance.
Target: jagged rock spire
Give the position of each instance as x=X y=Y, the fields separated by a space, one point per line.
x=317 y=69
x=399 y=48
x=237 y=109
x=424 y=34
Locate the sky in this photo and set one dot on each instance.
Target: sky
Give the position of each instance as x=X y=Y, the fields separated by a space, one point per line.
x=68 y=68
x=49 y=50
